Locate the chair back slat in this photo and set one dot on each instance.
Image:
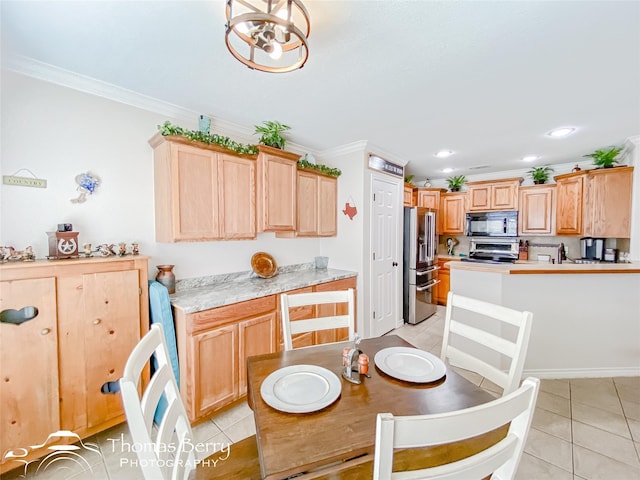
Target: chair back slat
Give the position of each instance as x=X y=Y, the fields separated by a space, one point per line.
x=501 y=459
x=484 y=329
x=156 y=453
x=293 y=327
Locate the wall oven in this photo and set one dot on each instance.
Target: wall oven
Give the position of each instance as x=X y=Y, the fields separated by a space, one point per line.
x=492 y=224
x=419 y=264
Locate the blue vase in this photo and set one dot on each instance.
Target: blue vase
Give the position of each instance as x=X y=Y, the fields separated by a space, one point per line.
x=204 y=124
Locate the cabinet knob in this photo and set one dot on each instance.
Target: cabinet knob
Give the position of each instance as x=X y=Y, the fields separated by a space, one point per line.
x=97 y=321
x=45 y=331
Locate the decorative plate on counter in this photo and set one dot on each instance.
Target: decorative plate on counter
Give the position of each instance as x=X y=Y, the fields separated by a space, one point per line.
x=264 y=265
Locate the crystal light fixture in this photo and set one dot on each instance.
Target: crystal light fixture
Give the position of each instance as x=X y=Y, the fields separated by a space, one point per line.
x=268 y=35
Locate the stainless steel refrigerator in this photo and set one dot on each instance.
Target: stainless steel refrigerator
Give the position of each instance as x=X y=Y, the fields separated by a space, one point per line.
x=419 y=264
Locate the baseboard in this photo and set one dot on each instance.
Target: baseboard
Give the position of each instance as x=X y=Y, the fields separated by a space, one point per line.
x=583 y=372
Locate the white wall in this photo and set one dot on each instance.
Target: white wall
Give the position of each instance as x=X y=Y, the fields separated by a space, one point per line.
x=634 y=159
x=57 y=133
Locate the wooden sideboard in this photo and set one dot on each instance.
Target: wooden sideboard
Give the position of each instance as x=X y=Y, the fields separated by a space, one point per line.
x=89 y=314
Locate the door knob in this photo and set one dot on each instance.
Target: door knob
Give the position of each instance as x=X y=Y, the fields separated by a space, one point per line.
x=394 y=264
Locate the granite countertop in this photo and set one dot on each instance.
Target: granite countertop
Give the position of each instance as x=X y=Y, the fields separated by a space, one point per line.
x=532 y=267
x=195 y=295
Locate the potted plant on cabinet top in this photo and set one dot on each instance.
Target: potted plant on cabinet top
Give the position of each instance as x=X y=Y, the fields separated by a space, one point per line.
x=270 y=134
x=540 y=175
x=605 y=158
x=455 y=183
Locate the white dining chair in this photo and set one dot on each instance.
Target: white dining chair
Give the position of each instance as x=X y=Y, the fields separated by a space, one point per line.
x=492 y=342
x=500 y=460
x=166 y=450
x=293 y=327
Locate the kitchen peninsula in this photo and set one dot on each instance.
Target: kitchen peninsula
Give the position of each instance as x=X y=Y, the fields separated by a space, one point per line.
x=224 y=319
x=586 y=317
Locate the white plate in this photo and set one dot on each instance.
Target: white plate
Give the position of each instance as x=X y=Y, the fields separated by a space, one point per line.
x=410 y=364
x=301 y=388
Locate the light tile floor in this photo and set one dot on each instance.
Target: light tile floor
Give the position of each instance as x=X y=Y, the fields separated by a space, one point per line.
x=583 y=429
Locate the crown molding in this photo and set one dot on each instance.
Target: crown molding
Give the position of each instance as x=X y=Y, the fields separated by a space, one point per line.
x=50 y=73
x=347 y=149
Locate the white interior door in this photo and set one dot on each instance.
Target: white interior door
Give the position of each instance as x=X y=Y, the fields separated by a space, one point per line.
x=385 y=255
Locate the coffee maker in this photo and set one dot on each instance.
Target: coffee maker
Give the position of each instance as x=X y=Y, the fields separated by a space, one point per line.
x=592 y=248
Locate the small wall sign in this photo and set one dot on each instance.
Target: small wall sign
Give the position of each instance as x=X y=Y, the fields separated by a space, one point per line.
x=385 y=166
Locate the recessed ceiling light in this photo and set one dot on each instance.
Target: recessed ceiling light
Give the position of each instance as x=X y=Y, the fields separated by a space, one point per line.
x=443 y=153
x=561 y=132
x=447 y=170
x=530 y=158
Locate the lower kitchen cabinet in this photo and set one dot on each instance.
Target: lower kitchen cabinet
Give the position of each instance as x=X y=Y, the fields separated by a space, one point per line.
x=89 y=314
x=214 y=344
x=442 y=288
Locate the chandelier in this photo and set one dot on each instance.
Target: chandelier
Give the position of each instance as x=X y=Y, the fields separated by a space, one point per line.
x=268 y=35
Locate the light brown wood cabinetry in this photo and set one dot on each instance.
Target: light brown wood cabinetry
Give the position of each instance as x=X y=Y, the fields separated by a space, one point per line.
x=212 y=350
x=276 y=188
x=595 y=203
x=452 y=213
x=493 y=194
x=570 y=194
x=29 y=364
x=430 y=197
x=91 y=313
x=317 y=206
x=410 y=198
x=213 y=346
x=609 y=202
x=201 y=191
x=537 y=210
x=442 y=288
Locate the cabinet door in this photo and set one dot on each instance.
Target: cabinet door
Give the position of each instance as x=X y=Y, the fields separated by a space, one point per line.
x=327 y=206
x=237 y=197
x=111 y=326
x=29 y=408
x=537 y=210
x=442 y=288
x=504 y=196
x=307 y=204
x=408 y=197
x=452 y=213
x=257 y=336
x=276 y=190
x=215 y=369
x=569 y=205
x=428 y=199
x=195 y=193
x=479 y=197
x=610 y=202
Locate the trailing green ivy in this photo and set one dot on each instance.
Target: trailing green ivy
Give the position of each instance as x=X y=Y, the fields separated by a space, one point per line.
x=332 y=172
x=167 y=128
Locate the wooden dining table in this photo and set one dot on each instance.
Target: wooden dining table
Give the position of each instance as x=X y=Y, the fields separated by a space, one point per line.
x=340 y=437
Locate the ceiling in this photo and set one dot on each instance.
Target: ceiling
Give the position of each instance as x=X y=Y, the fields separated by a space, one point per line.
x=484 y=79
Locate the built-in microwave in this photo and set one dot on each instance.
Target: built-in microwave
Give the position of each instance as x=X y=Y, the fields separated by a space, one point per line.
x=492 y=224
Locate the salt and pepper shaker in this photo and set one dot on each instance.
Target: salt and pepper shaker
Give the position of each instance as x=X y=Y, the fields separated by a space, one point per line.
x=354 y=361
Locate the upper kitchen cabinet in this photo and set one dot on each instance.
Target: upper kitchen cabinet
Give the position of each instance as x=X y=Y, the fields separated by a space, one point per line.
x=452 y=213
x=609 y=202
x=430 y=197
x=202 y=192
x=317 y=205
x=493 y=194
x=570 y=191
x=276 y=189
x=410 y=195
x=537 y=209
x=595 y=203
